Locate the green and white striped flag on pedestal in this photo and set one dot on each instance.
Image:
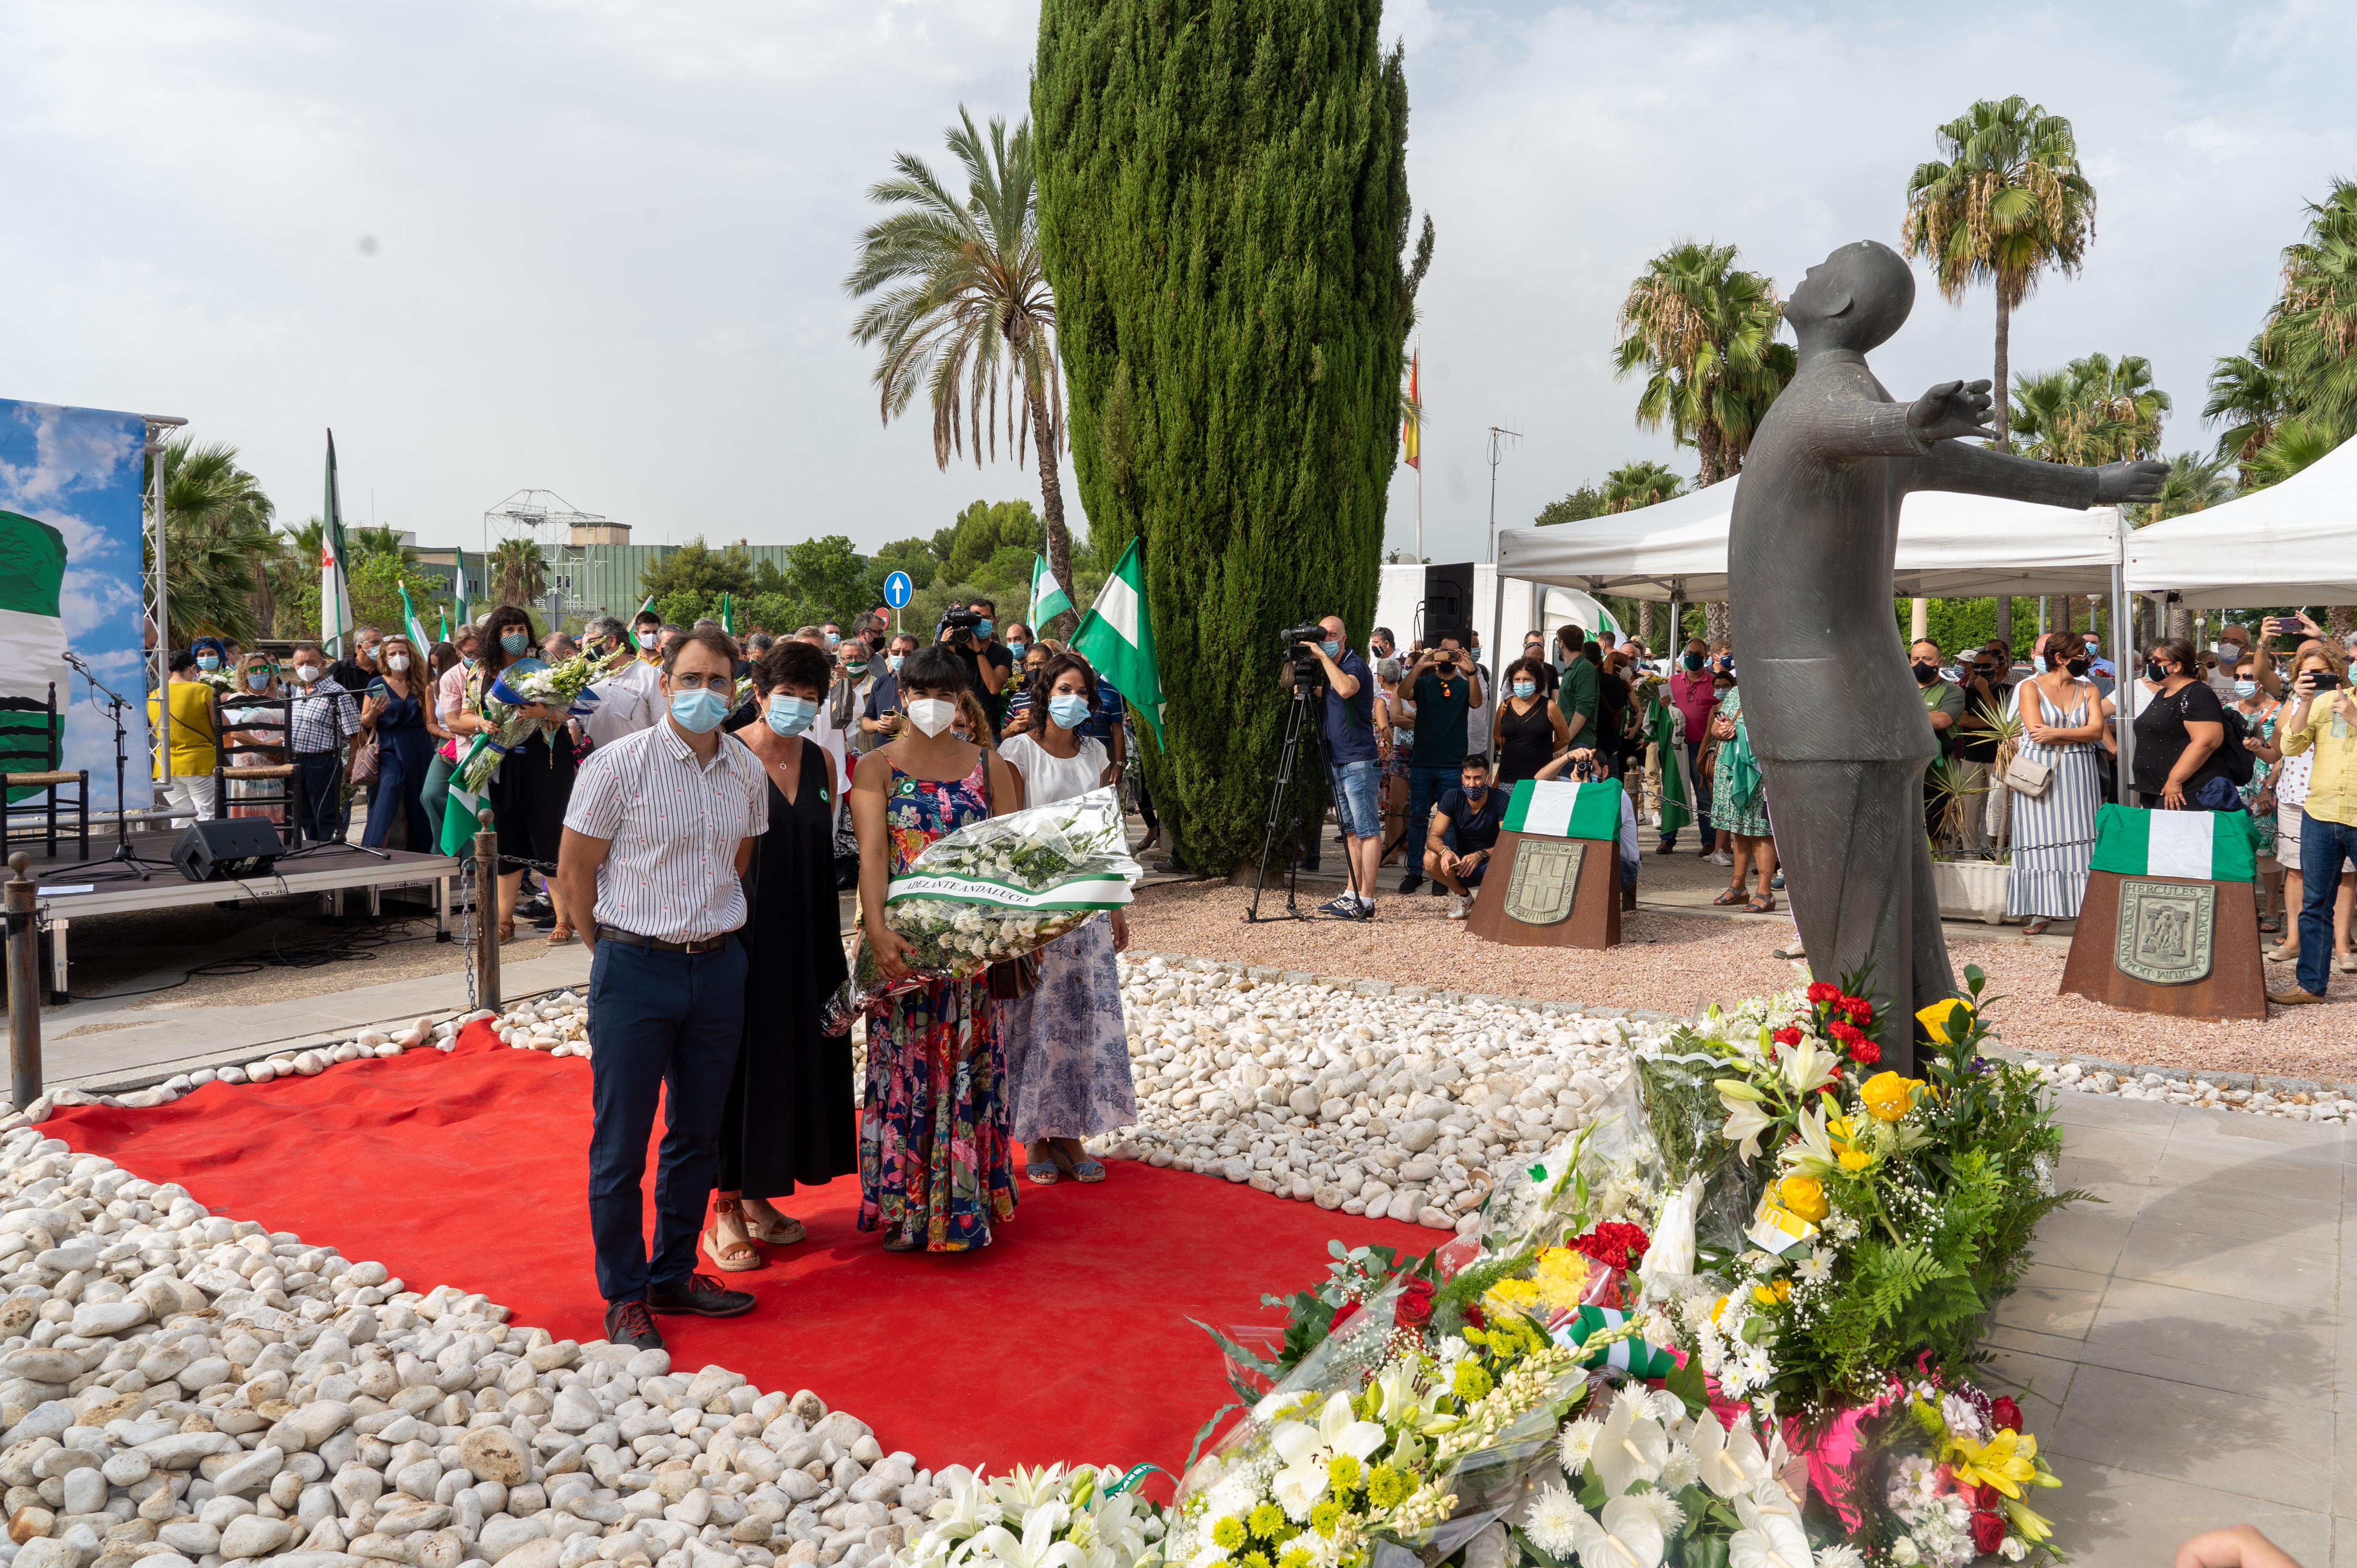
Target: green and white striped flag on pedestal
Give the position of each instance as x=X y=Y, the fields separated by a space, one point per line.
x=2205 y=846
x=32 y=637
x=1554 y=809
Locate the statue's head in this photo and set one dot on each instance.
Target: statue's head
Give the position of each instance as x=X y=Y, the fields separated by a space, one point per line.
x=1856 y=298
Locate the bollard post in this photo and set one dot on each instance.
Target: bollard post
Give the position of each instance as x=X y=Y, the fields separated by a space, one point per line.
x=23 y=984
x=487 y=913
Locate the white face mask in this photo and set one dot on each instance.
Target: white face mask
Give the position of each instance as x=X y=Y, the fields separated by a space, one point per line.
x=306 y=673
x=396 y=662
x=932 y=715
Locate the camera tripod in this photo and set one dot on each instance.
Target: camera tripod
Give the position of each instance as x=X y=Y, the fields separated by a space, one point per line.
x=1302 y=732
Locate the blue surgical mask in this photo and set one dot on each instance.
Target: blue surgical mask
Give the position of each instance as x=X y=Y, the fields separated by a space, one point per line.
x=1333 y=648
x=833 y=638
x=699 y=711
x=789 y=714
x=514 y=642
x=2247 y=688
x=983 y=629
x=1067 y=709
x=892 y=663
x=208 y=660
x=1017 y=648
x=1526 y=688
x=259 y=679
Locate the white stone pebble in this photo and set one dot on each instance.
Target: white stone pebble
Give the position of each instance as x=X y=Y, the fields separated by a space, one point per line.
x=2286 y=1101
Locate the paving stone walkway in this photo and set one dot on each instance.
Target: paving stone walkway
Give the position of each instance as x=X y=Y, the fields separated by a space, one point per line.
x=2179 y=1347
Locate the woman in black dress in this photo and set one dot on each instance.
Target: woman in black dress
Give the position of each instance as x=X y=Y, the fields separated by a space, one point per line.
x=2177 y=736
x=790 y=1117
x=1531 y=727
x=535 y=781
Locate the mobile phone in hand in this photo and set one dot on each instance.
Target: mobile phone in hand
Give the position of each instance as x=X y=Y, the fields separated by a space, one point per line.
x=2323 y=680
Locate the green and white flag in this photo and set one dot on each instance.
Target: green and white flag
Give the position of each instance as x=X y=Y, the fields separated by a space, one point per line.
x=416 y=629
x=445 y=626
x=2204 y=846
x=459 y=609
x=728 y=615
x=1048 y=599
x=32 y=635
x=1630 y=1354
x=1553 y=808
x=1117 y=637
x=335 y=593
x=630 y=626
x=1677 y=783
x=462 y=814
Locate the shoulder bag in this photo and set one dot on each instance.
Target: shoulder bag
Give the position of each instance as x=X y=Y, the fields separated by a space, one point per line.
x=1014 y=977
x=2025 y=775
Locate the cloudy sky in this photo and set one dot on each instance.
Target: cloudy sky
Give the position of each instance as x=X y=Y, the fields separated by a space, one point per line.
x=597 y=247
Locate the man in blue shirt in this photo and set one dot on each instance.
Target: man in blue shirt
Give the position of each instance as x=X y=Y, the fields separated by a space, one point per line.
x=1348 y=725
x=1464 y=833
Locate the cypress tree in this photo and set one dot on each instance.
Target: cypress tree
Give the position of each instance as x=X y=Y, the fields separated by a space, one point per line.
x=1223 y=206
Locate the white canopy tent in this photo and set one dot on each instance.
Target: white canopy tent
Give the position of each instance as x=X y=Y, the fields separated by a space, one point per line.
x=1950 y=546
x=2291 y=544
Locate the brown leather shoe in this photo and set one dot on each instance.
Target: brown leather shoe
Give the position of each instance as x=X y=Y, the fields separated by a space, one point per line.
x=2293 y=998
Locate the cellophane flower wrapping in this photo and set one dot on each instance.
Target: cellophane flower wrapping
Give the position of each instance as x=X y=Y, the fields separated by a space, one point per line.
x=527 y=683
x=995 y=890
x=1683 y=1112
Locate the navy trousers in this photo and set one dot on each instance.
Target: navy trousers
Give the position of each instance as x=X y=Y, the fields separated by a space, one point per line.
x=659 y=1022
x=318 y=796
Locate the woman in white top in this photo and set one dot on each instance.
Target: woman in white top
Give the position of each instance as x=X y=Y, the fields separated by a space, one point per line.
x=2063 y=722
x=1066 y=1052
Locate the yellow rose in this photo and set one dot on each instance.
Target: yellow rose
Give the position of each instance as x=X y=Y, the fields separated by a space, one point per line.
x=1888 y=1096
x=1855 y=1159
x=1946 y=1021
x=1805 y=1195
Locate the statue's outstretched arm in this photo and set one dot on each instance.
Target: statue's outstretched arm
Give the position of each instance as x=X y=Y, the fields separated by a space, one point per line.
x=1976 y=471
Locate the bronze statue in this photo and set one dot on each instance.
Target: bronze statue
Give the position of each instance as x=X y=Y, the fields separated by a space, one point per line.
x=1834 y=714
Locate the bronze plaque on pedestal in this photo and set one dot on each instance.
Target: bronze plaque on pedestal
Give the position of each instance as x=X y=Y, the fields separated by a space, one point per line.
x=1546 y=880
x=2168 y=944
x=2165 y=930
x=1580 y=903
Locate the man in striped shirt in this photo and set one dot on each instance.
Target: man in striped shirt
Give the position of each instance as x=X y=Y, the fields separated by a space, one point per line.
x=658 y=830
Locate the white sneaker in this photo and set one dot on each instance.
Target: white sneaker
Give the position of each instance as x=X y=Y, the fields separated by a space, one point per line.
x=1720 y=857
x=1460 y=906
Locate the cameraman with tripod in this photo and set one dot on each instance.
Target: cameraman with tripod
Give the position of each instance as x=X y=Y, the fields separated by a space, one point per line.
x=1349 y=727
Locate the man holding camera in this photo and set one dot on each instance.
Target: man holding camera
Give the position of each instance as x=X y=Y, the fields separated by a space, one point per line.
x=1434 y=698
x=1348 y=725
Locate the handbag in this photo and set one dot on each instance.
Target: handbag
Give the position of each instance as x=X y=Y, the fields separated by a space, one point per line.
x=364 y=758
x=2027 y=776
x=1015 y=977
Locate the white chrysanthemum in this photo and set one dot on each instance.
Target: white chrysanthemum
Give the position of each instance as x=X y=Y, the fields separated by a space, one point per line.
x=1663 y=1507
x=1963 y=1418
x=1903 y=1552
x=1734 y=1377
x=1452 y=1349
x=1696 y=1310
x=1553 y=1522
x=1757 y=1371
x=1840 y=1555
x=1816 y=1268
x=1679 y=1471
x=1578 y=1443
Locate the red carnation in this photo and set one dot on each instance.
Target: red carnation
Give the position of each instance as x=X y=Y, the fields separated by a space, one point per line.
x=1615 y=1243
x=2004 y=1415
x=1790 y=1034
x=1414 y=1308
x=1841 y=1031
x=1865 y=1052
x=1988 y=1532
x=1858 y=1007
x=1823 y=990
x=1342 y=1314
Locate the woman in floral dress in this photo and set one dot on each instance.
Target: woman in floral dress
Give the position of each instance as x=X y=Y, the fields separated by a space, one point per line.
x=936 y=1167
x=1738 y=802
x=2258 y=697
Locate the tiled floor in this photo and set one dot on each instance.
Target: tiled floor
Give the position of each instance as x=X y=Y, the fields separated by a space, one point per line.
x=2181 y=1344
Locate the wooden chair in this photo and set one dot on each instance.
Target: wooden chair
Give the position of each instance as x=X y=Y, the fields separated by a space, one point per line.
x=32 y=745
x=273 y=716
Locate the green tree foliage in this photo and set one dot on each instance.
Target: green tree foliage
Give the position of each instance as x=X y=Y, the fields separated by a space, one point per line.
x=1638 y=484
x=2297 y=387
x=1704 y=332
x=517 y=572
x=697 y=569
x=219 y=548
x=2093 y=411
x=2005 y=201
x=1224 y=209
x=1578 y=507
x=374 y=569
x=831 y=577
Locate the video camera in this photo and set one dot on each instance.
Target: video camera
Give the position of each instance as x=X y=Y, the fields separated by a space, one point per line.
x=1301 y=647
x=957 y=620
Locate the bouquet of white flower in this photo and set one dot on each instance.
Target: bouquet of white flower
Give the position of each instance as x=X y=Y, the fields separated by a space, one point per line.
x=527 y=683
x=996 y=890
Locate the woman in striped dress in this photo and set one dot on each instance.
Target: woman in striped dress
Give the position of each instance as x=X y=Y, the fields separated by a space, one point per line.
x=2062 y=721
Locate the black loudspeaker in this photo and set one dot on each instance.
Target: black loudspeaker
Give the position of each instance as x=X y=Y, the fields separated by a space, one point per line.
x=1447 y=604
x=225 y=849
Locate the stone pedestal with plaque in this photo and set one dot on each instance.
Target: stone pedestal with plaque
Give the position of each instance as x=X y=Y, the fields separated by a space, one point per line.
x=1549 y=884
x=2153 y=941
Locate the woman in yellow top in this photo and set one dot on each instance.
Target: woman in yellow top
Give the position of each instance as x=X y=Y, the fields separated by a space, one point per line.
x=194 y=740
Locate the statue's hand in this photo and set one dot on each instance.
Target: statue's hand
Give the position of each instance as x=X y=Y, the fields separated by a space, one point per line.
x=1951 y=410
x=2136 y=481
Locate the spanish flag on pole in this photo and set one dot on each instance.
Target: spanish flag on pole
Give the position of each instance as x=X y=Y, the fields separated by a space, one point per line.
x=1412 y=419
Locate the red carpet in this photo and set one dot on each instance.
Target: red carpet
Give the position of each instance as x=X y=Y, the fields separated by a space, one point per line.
x=1068 y=1339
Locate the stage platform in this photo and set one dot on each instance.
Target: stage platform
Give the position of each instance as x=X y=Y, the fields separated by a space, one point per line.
x=327 y=873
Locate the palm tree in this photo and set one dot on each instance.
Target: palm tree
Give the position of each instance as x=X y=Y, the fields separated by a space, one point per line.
x=2093 y=411
x=518 y=572
x=2009 y=202
x=1638 y=484
x=2248 y=395
x=2195 y=483
x=2298 y=442
x=1705 y=331
x=2311 y=338
x=379 y=542
x=965 y=306
x=218 y=544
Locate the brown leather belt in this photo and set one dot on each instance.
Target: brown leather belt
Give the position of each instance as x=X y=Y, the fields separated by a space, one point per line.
x=632 y=940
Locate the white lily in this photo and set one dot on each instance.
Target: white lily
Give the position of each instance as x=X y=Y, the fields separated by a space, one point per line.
x=1633 y=1447
x=1745 y=1122
x=1809 y=1067
x=1306 y=1450
x=1039 y=1547
x=1767 y=1538
x=965 y=1505
x=1629 y=1535
x=1028 y=1488
x=1729 y=1464
x=1396 y=1386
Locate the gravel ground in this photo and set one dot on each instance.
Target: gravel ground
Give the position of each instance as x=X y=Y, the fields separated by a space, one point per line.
x=1678 y=963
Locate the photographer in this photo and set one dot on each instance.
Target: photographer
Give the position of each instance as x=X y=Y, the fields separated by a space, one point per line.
x=965 y=632
x=1348 y=725
x=1434 y=698
x=994 y=663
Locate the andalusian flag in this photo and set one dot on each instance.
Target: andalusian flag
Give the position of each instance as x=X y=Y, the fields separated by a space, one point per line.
x=445 y=626
x=1117 y=637
x=462 y=814
x=416 y=628
x=1632 y=1355
x=728 y=613
x=1677 y=784
x=1554 y=808
x=2206 y=847
x=1048 y=599
x=458 y=605
x=1412 y=420
x=630 y=626
x=335 y=593
x=32 y=638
